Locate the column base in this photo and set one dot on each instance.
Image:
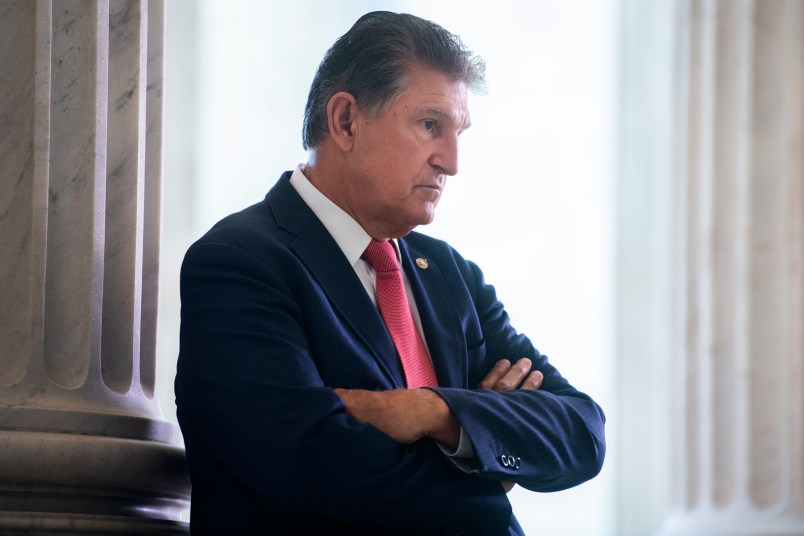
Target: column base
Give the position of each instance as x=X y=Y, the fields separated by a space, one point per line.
x=41 y=524
x=71 y=472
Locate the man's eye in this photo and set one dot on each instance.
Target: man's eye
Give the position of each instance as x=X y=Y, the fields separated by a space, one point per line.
x=429 y=124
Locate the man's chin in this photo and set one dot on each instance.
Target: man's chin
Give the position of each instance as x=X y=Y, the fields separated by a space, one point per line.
x=425 y=217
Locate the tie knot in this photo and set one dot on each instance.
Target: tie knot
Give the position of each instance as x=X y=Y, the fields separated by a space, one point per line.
x=381 y=256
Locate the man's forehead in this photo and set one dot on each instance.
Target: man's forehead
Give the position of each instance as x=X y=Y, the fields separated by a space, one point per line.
x=431 y=92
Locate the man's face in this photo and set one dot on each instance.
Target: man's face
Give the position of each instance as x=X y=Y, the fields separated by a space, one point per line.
x=401 y=157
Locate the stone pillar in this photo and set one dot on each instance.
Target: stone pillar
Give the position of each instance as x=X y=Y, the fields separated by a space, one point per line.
x=83 y=448
x=739 y=363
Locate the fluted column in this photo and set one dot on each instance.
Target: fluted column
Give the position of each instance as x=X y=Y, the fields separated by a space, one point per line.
x=83 y=448
x=739 y=402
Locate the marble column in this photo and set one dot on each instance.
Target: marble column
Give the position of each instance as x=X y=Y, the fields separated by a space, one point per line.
x=739 y=361
x=83 y=447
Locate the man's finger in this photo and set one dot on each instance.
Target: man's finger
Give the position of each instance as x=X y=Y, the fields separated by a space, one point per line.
x=514 y=376
x=498 y=371
x=533 y=381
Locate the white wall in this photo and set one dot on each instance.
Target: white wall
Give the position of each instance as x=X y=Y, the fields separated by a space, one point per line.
x=532 y=204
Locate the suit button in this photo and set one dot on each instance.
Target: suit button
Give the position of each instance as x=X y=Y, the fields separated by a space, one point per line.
x=504 y=460
x=511 y=461
x=518 y=462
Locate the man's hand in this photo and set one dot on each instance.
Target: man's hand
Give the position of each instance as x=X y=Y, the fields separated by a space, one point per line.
x=505 y=376
x=406 y=415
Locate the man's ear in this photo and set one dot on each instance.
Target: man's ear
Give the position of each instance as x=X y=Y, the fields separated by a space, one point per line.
x=342 y=113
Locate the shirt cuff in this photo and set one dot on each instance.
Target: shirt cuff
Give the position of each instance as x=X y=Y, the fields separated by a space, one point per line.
x=464 y=449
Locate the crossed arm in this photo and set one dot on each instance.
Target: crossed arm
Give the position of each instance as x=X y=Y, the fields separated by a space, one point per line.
x=407 y=415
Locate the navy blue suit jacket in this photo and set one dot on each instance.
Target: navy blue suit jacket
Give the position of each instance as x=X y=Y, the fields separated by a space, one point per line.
x=274 y=318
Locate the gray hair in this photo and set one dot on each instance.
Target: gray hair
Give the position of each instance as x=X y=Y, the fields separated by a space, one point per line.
x=371 y=61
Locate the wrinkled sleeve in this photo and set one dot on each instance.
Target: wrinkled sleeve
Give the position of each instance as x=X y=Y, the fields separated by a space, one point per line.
x=544 y=440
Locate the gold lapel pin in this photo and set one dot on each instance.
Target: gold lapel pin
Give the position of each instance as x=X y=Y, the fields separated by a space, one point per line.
x=422 y=263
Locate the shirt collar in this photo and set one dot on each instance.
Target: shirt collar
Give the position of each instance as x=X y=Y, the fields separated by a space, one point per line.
x=348 y=234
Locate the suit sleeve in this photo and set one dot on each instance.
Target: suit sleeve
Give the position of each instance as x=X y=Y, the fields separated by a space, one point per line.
x=253 y=407
x=544 y=440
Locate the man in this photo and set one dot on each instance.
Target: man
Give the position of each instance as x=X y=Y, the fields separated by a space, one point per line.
x=320 y=389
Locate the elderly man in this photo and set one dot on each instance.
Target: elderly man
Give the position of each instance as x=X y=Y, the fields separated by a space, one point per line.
x=341 y=374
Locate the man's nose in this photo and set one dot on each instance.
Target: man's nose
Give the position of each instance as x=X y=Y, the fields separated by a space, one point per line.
x=446 y=156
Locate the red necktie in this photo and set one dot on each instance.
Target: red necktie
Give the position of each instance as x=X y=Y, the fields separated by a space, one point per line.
x=393 y=303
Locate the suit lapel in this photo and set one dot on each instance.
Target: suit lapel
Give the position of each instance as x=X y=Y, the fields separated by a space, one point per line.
x=327 y=264
x=439 y=315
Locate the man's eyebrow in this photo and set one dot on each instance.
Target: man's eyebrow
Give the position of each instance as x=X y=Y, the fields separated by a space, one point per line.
x=438 y=112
